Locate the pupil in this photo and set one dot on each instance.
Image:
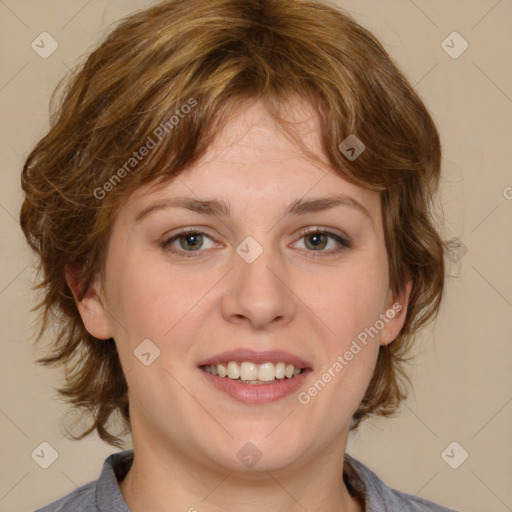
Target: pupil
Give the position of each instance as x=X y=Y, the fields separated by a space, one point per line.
x=194 y=238
x=318 y=239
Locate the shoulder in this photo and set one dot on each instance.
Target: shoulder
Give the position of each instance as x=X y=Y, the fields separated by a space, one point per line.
x=82 y=499
x=102 y=494
x=379 y=497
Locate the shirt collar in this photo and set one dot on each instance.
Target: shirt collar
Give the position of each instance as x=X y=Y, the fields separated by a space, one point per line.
x=108 y=493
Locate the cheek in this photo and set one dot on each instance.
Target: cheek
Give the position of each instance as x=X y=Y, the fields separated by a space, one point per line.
x=348 y=300
x=152 y=301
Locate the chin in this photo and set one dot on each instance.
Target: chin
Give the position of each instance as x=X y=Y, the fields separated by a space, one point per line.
x=252 y=463
x=257 y=450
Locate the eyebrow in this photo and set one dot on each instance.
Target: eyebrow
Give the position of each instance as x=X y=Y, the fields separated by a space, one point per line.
x=218 y=208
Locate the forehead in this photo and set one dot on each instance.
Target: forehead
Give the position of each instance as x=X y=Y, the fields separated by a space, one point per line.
x=253 y=164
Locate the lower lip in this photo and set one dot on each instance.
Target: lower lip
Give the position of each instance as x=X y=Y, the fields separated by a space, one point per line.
x=257 y=393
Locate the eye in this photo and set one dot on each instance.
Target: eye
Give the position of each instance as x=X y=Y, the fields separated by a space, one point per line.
x=316 y=240
x=189 y=241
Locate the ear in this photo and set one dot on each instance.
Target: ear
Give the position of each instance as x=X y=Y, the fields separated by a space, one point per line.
x=91 y=307
x=395 y=313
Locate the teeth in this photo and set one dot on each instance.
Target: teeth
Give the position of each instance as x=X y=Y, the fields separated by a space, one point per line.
x=248 y=371
x=233 y=370
x=280 y=370
x=266 y=372
x=221 y=370
x=252 y=372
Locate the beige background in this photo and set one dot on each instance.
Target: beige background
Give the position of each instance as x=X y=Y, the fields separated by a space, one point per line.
x=462 y=373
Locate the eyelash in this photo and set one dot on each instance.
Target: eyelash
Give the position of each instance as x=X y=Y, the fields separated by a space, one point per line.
x=344 y=243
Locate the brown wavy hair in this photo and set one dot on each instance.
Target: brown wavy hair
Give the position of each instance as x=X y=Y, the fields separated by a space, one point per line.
x=221 y=53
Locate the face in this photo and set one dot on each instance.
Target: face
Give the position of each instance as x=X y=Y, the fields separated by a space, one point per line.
x=302 y=287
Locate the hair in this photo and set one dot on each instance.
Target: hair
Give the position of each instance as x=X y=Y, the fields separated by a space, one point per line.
x=213 y=55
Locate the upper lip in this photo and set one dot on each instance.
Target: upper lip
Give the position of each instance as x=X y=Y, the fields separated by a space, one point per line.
x=247 y=354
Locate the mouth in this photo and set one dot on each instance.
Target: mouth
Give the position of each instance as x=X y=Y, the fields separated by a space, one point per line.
x=255 y=377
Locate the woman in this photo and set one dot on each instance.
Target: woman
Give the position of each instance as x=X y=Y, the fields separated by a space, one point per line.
x=232 y=215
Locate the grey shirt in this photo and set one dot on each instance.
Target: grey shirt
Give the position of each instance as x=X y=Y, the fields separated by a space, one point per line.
x=104 y=494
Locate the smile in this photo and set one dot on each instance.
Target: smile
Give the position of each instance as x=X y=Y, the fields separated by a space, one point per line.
x=248 y=389
x=255 y=377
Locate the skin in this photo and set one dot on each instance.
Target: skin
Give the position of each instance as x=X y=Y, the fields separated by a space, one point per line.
x=186 y=433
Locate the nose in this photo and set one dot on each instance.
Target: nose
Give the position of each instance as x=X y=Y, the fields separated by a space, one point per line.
x=258 y=293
